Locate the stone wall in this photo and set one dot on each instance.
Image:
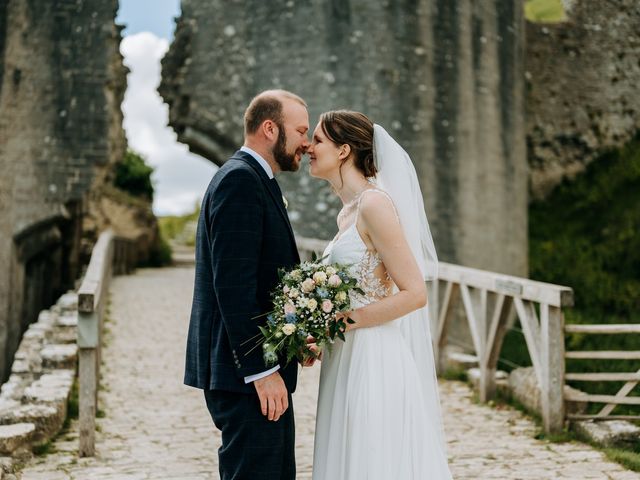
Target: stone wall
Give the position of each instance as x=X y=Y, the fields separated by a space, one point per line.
x=582 y=95
x=61 y=85
x=33 y=402
x=445 y=77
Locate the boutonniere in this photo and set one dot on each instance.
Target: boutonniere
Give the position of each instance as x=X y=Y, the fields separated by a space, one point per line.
x=286 y=204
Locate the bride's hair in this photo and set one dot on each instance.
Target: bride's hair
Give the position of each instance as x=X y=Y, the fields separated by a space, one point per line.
x=356 y=130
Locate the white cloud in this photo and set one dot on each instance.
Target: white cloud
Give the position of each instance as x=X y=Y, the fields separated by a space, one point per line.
x=180 y=177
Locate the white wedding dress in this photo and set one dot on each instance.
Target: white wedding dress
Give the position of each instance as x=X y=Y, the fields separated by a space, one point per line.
x=376 y=418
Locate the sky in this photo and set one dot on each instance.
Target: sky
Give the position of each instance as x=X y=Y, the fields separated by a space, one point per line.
x=180 y=177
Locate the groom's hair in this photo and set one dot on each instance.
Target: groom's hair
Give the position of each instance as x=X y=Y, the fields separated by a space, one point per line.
x=267 y=105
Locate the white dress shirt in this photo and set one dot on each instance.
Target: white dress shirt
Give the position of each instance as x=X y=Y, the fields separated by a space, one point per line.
x=267 y=168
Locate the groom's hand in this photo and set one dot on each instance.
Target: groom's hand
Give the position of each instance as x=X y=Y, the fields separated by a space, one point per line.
x=274 y=398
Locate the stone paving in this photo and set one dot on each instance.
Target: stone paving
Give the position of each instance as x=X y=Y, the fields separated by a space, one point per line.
x=156 y=428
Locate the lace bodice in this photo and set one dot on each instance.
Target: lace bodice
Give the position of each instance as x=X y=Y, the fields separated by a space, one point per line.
x=348 y=248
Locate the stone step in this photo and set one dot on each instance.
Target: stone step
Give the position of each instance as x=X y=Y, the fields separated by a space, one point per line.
x=50 y=388
x=68 y=302
x=47 y=419
x=59 y=356
x=15 y=436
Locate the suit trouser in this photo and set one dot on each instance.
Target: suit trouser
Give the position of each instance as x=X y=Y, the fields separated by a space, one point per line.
x=253 y=447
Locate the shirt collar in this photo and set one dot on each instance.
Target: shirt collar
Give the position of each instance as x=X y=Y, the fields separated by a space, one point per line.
x=263 y=163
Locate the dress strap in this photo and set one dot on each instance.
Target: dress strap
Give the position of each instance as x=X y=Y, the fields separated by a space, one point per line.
x=378 y=191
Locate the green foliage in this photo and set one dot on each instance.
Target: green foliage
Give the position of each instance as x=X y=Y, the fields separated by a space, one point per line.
x=544 y=11
x=174 y=228
x=160 y=255
x=585 y=235
x=133 y=176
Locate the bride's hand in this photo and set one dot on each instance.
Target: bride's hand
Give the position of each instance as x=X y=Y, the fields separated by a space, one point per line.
x=311 y=343
x=346 y=315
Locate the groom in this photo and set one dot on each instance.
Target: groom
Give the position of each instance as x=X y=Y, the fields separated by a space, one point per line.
x=243 y=238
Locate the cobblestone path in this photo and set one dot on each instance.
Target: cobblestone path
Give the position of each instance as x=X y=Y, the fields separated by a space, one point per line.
x=156 y=428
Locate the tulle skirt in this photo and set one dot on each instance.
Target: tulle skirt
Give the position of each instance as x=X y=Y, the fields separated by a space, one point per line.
x=373 y=420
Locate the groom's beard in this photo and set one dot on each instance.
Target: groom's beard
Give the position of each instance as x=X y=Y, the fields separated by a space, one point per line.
x=286 y=160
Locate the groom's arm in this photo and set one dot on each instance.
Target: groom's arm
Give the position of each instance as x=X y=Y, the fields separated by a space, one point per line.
x=235 y=235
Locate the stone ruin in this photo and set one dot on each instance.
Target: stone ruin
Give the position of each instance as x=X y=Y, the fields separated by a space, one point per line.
x=61 y=85
x=34 y=401
x=582 y=89
x=445 y=77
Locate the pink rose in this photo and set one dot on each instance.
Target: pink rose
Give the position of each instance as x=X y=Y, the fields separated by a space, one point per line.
x=285 y=289
x=334 y=281
x=327 y=306
x=289 y=308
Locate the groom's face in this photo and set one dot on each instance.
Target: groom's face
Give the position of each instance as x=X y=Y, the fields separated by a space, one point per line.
x=293 y=139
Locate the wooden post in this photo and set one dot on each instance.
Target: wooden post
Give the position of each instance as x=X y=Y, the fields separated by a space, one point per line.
x=552 y=363
x=87 y=401
x=497 y=331
x=92 y=299
x=445 y=316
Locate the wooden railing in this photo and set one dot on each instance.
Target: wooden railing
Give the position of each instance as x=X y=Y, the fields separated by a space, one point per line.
x=488 y=300
x=631 y=379
x=111 y=255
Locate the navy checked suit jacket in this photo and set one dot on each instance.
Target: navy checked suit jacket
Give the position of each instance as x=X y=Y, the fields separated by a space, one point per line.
x=243 y=238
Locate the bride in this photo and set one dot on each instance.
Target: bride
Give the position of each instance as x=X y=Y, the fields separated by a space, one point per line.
x=378 y=412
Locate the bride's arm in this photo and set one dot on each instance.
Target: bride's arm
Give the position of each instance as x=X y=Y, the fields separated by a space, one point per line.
x=380 y=223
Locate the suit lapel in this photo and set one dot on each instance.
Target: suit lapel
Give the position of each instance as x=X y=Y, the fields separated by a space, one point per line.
x=273 y=190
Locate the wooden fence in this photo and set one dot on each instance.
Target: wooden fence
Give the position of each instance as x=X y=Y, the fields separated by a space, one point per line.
x=111 y=255
x=488 y=300
x=631 y=379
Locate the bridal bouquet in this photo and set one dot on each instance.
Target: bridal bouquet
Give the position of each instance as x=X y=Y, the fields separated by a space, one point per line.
x=306 y=302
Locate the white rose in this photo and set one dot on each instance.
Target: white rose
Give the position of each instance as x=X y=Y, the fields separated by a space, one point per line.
x=320 y=278
x=288 y=328
x=308 y=285
x=312 y=304
x=331 y=271
x=294 y=293
x=341 y=297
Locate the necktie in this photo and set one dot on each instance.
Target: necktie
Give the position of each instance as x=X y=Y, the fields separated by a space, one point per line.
x=276 y=189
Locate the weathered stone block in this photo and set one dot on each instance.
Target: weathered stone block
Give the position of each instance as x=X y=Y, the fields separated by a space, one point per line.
x=50 y=388
x=65 y=335
x=14 y=388
x=523 y=385
x=46 y=317
x=68 y=319
x=15 y=436
x=68 y=302
x=501 y=378
x=609 y=433
x=461 y=361
x=48 y=419
x=59 y=356
x=6 y=465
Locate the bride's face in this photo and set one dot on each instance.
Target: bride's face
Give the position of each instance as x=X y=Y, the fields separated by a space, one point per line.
x=324 y=155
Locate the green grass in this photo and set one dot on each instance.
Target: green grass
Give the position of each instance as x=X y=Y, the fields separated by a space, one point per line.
x=44 y=449
x=544 y=11
x=629 y=460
